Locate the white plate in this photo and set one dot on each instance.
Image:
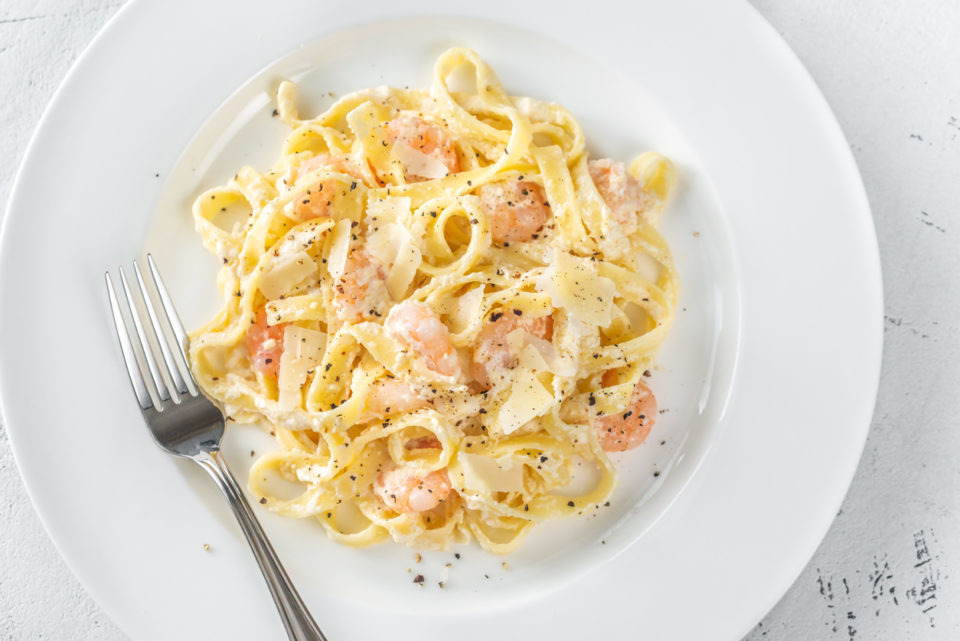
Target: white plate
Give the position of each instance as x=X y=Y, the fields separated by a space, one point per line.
x=781 y=281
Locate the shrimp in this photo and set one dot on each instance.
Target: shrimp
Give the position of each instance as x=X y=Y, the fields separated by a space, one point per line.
x=621 y=432
x=393 y=396
x=492 y=354
x=623 y=193
x=320 y=200
x=516 y=209
x=402 y=490
x=426 y=138
x=265 y=344
x=419 y=328
x=361 y=290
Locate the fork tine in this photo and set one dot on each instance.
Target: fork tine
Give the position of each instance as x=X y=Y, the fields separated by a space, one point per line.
x=161 y=387
x=172 y=369
x=172 y=317
x=129 y=357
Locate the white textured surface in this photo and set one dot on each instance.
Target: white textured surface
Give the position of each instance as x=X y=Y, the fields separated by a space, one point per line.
x=885 y=570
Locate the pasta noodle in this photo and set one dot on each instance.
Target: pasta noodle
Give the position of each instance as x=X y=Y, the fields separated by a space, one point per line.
x=440 y=308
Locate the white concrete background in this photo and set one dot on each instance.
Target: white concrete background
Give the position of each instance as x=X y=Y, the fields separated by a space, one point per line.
x=891 y=72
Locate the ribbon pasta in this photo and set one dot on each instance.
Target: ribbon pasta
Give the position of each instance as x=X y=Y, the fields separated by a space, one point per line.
x=361 y=219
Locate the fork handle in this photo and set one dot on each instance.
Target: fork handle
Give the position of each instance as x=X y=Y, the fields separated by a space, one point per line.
x=296 y=618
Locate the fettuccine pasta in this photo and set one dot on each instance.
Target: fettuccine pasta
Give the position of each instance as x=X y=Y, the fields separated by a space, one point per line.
x=441 y=308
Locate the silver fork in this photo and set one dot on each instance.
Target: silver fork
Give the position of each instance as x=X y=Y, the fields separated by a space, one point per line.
x=185 y=423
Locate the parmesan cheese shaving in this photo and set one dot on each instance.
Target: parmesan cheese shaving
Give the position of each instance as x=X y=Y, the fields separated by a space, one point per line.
x=339 y=248
x=485 y=474
x=403 y=270
x=384 y=244
x=392 y=243
x=468 y=308
x=302 y=352
x=528 y=400
x=551 y=356
x=392 y=240
x=530 y=358
x=418 y=163
x=538 y=354
x=574 y=284
x=391 y=209
x=286 y=273
x=516 y=339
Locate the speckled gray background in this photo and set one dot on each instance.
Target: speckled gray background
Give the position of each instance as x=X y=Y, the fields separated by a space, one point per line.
x=891 y=72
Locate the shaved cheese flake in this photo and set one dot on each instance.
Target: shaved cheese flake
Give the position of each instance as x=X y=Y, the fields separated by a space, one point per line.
x=392 y=243
x=392 y=209
x=403 y=270
x=574 y=284
x=516 y=339
x=302 y=351
x=538 y=354
x=307 y=343
x=485 y=474
x=418 y=163
x=551 y=356
x=363 y=120
x=303 y=235
x=468 y=308
x=286 y=273
x=339 y=248
x=385 y=243
x=530 y=358
x=528 y=400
